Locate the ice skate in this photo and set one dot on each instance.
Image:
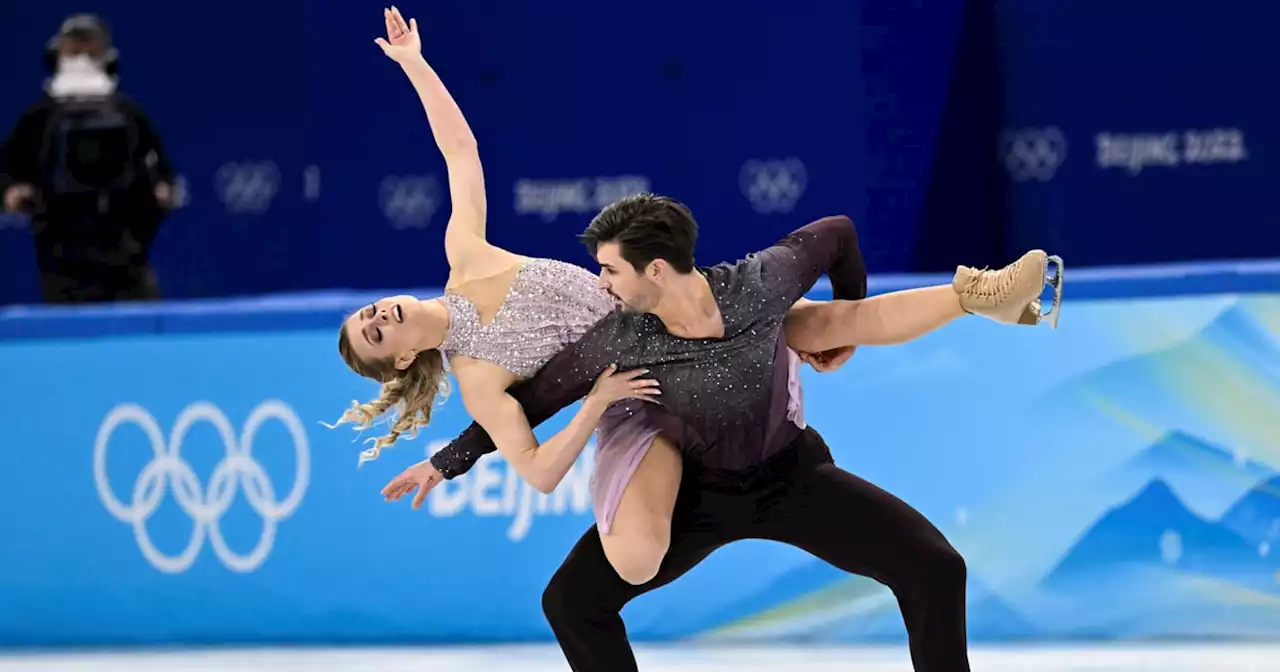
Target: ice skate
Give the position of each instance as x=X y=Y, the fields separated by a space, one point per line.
x=1011 y=295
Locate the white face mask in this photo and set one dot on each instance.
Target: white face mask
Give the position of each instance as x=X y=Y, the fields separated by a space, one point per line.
x=80 y=75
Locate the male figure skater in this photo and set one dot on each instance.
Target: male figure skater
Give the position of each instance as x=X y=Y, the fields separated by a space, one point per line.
x=712 y=337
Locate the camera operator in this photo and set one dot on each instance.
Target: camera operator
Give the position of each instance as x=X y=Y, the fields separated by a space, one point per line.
x=86 y=163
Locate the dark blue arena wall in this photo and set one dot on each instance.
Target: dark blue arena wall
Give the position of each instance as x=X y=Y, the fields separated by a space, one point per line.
x=954 y=131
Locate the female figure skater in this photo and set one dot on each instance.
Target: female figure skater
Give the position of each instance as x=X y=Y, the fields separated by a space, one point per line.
x=504 y=315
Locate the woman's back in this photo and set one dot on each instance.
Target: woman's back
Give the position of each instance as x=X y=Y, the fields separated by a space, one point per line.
x=546 y=306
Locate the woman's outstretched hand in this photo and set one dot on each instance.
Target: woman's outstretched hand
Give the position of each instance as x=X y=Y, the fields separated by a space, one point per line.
x=402 y=43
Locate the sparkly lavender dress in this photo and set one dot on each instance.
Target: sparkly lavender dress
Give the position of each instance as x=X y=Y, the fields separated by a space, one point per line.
x=549 y=306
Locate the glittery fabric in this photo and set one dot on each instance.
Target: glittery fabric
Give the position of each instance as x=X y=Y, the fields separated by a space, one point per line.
x=628 y=430
x=550 y=304
x=725 y=399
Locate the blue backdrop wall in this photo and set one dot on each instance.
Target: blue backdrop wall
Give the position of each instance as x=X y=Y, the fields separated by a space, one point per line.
x=299 y=149
x=1134 y=132
x=169 y=480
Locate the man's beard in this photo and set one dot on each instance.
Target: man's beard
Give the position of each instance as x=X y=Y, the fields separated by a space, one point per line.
x=641 y=304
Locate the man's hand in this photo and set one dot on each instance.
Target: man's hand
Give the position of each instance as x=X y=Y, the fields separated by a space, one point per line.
x=164 y=195
x=402 y=43
x=612 y=386
x=16 y=196
x=828 y=361
x=421 y=477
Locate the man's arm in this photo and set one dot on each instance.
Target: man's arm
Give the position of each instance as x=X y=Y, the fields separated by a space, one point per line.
x=152 y=147
x=20 y=151
x=830 y=245
x=566 y=378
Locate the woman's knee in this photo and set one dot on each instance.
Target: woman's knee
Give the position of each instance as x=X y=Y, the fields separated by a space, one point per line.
x=637 y=561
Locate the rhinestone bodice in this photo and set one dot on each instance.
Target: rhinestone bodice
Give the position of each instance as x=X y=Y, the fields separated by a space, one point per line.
x=549 y=305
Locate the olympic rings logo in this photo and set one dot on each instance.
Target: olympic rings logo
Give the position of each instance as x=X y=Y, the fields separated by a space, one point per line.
x=1033 y=153
x=168 y=468
x=774 y=185
x=409 y=201
x=248 y=188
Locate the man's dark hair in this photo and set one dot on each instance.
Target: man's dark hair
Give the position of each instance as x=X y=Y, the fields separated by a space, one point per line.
x=646 y=227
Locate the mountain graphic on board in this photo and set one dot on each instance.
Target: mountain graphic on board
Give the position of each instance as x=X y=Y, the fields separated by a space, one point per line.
x=1234 y=354
x=788 y=591
x=1155 y=528
x=1209 y=478
x=1256 y=518
x=987 y=615
x=817 y=602
x=1239 y=331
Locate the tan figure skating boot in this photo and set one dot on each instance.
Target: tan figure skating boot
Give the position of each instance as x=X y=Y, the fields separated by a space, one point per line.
x=1011 y=295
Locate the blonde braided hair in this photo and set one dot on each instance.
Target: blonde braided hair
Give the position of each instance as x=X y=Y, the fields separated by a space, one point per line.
x=412 y=392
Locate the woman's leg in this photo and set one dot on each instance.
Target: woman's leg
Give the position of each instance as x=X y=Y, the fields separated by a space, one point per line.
x=639 y=532
x=1009 y=295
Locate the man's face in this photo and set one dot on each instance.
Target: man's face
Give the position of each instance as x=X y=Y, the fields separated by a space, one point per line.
x=637 y=291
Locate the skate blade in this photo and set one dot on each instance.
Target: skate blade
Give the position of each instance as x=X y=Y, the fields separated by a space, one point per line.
x=1034 y=313
x=1054 y=280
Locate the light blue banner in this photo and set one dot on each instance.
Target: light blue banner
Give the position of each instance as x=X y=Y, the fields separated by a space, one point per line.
x=1113 y=479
